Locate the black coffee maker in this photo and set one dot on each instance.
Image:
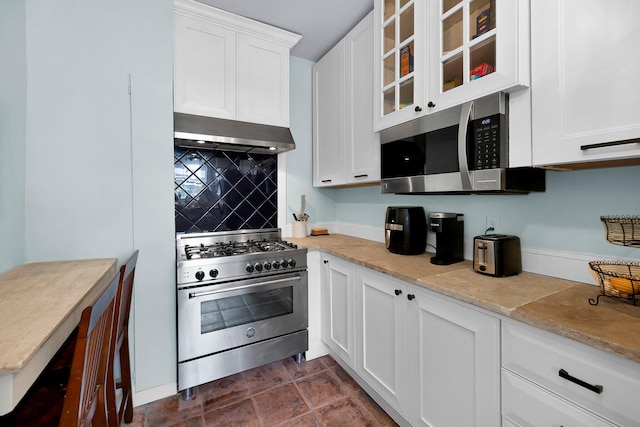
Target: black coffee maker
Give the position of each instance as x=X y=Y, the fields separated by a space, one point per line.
x=449 y=229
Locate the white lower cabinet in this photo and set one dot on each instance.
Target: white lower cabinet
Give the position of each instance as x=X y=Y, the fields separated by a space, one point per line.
x=337 y=299
x=454 y=362
x=439 y=362
x=381 y=326
x=432 y=359
x=577 y=384
x=528 y=405
x=317 y=348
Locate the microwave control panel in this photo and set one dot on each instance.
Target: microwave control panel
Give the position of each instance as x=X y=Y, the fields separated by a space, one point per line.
x=489 y=142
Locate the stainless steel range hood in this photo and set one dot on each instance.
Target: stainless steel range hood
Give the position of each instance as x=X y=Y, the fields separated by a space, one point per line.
x=221 y=134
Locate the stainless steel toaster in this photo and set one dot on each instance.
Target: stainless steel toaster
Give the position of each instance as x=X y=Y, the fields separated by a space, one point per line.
x=497 y=255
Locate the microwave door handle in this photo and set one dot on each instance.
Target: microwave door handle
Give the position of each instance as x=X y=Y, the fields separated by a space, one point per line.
x=463 y=130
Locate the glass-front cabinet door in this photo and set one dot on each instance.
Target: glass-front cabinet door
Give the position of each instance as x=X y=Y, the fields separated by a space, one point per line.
x=400 y=47
x=476 y=47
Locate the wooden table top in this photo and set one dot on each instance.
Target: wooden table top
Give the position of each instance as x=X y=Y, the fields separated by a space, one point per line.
x=40 y=304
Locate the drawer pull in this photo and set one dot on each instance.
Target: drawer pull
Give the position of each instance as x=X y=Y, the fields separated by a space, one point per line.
x=609 y=144
x=594 y=388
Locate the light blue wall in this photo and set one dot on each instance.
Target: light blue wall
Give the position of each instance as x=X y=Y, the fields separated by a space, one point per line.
x=566 y=217
x=99 y=161
x=13 y=92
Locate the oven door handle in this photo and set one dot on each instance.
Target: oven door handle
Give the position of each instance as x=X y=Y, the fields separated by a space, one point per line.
x=251 y=285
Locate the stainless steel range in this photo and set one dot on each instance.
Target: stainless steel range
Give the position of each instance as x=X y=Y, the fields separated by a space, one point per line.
x=242 y=303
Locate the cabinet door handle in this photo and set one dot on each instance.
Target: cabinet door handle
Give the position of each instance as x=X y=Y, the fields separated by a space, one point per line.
x=609 y=144
x=594 y=388
x=431 y=104
x=361 y=176
x=398 y=291
x=326 y=262
x=410 y=297
x=417 y=109
x=326 y=180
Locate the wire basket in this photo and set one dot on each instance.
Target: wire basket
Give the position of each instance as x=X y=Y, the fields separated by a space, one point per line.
x=622 y=230
x=617 y=279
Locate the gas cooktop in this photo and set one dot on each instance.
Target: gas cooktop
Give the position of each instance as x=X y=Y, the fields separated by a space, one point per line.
x=204 y=258
x=235 y=248
x=229 y=243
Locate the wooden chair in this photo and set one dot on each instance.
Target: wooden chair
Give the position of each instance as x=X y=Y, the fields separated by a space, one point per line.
x=117 y=412
x=84 y=403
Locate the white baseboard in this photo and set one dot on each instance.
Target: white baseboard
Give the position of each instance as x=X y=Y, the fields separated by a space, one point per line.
x=316 y=349
x=362 y=231
x=561 y=264
x=149 y=395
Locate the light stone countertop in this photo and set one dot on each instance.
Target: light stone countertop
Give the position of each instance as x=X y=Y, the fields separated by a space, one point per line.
x=40 y=304
x=555 y=305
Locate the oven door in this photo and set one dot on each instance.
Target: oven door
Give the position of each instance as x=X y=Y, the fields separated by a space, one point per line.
x=223 y=316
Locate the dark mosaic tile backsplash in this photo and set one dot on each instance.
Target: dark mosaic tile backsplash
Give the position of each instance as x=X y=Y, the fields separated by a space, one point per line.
x=224 y=190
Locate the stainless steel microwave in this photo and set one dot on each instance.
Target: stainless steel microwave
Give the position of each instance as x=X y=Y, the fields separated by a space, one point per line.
x=464 y=149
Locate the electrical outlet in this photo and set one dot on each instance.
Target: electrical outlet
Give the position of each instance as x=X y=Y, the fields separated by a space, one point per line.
x=493 y=222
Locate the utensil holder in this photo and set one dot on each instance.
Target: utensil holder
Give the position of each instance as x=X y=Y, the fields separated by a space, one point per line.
x=299 y=229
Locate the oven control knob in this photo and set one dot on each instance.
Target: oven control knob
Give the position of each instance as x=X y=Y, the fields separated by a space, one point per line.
x=292 y=263
x=283 y=263
x=213 y=273
x=275 y=265
x=257 y=267
x=199 y=275
x=249 y=268
x=267 y=266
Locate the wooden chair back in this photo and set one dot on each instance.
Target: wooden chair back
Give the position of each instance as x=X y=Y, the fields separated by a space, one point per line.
x=84 y=403
x=117 y=412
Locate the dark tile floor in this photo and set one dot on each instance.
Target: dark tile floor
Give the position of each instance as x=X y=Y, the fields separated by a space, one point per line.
x=316 y=393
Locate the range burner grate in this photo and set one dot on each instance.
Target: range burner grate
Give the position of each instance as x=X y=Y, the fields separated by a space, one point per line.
x=235 y=248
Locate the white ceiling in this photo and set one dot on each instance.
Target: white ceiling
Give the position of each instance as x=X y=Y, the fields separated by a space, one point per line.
x=321 y=23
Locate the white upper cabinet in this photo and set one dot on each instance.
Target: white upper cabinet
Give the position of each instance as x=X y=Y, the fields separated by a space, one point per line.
x=230 y=67
x=433 y=55
x=476 y=48
x=400 y=67
x=585 y=89
x=329 y=166
x=204 y=68
x=363 y=144
x=263 y=81
x=346 y=150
